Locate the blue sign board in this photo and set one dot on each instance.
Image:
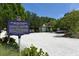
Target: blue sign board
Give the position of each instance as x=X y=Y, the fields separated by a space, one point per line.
x=18 y=27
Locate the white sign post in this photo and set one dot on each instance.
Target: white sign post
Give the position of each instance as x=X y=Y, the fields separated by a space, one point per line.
x=19 y=42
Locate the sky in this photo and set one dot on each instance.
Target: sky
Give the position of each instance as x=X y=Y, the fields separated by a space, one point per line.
x=53 y=10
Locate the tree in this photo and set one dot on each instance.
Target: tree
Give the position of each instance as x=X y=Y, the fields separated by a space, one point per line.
x=9 y=12
x=70 y=22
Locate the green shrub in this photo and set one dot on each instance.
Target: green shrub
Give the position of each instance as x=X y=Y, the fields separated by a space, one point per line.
x=33 y=51
x=11 y=43
x=75 y=35
x=8 y=48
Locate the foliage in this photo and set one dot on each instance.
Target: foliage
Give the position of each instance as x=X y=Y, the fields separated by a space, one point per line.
x=70 y=22
x=9 y=43
x=8 y=48
x=9 y=12
x=33 y=51
x=37 y=21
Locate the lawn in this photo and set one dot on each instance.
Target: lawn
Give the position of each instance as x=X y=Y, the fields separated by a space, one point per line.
x=7 y=51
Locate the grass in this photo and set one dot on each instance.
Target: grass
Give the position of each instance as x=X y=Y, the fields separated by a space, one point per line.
x=6 y=51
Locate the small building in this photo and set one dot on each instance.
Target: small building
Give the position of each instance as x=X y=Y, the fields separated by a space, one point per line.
x=42 y=28
x=46 y=27
x=49 y=27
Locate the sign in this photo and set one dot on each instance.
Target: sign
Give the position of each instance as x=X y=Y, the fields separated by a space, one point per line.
x=18 y=27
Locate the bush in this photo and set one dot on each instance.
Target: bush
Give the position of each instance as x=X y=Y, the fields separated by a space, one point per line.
x=75 y=35
x=67 y=34
x=33 y=51
x=11 y=43
x=8 y=48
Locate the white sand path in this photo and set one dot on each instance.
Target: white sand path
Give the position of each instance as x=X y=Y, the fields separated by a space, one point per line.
x=55 y=46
